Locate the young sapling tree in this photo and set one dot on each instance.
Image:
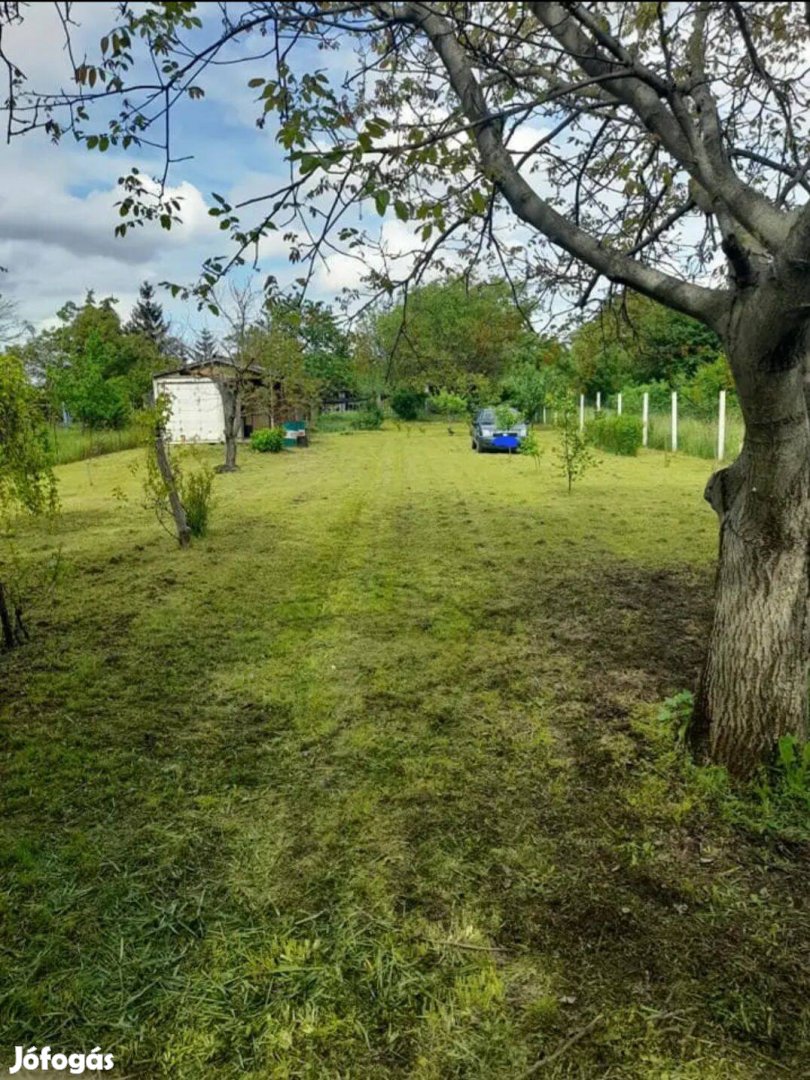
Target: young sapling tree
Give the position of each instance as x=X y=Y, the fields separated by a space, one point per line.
x=574 y=454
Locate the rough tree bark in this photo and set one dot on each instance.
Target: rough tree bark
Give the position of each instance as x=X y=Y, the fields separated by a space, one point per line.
x=177 y=508
x=753 y=687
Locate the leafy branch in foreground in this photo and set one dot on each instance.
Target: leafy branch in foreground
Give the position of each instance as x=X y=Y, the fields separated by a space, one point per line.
x=27 y=487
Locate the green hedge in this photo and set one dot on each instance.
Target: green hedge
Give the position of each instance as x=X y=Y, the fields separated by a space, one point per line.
x=616 y=434
x=407 y=403
x=370 y=419
x=268 y=440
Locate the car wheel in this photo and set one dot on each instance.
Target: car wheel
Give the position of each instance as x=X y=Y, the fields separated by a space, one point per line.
x=479 y=448
x=472 y=444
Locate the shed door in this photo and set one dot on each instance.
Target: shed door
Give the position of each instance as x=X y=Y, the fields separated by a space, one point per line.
x=197 y=414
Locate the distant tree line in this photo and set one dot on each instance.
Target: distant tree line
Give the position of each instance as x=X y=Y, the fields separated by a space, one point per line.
x=476 y=341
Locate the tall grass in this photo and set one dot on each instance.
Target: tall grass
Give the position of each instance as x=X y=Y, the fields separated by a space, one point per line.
x=697 y=438
x=74 y=444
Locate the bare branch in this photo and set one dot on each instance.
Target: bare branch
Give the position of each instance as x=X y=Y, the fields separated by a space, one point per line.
x=752 y=209
x=705 y=304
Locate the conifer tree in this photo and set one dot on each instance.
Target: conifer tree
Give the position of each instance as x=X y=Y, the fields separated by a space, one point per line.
x=205 y=347
x=148 y=319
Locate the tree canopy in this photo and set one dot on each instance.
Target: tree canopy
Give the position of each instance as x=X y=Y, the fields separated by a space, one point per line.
x=91 y=366
x=641 y=134
x=447 y=332
x=637 y=340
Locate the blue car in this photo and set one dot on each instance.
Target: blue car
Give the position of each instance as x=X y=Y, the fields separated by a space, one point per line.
x=488 y=434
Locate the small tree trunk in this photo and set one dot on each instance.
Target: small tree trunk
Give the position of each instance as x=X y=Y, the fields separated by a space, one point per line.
x=177 y=508
x=7 y=621
x=232 y=415
x=11 y=620
x=753 y=688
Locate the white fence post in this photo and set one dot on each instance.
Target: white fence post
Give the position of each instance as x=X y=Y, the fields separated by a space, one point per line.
x=721 y=427
x=619 y=405
x=598 y=400
x=544 y=416
x=581 y=412
x=645 y=419
x=674 y=419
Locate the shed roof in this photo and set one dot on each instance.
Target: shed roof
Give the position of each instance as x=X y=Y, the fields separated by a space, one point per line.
x=195 y=368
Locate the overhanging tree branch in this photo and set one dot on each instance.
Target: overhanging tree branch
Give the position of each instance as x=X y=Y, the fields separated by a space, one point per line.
x=702 y=303
x=752 y=209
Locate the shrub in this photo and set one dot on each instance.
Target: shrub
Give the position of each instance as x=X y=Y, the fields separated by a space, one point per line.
x=698 y=395
x=530 y=447
x=369 y=419
x=407 y=403
x=267 y=440
x=195 y=495
x=528 y=389
x=617 y=434
x=449 y=405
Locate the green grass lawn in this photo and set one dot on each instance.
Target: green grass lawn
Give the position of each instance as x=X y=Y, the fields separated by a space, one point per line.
x=375 y=781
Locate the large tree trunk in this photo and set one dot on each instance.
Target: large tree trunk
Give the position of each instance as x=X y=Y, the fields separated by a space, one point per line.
x=177 y=508
x=753 y=688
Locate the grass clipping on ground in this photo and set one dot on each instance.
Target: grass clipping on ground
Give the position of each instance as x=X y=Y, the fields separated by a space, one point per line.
x=376 y=781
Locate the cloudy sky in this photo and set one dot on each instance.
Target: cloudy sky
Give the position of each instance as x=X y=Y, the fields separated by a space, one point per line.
x=57 y=203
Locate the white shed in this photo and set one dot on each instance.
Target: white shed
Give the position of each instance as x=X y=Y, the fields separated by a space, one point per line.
x=197 y=414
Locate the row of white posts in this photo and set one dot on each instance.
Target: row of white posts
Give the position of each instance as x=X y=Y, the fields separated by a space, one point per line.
x=645 y=418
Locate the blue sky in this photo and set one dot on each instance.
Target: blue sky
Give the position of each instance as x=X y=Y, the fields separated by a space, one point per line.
x=57 y=203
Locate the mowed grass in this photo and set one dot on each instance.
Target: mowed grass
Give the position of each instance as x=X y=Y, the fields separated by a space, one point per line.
x=375 y=782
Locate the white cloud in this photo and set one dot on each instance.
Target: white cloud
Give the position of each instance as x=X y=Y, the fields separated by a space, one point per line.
x=57 y=231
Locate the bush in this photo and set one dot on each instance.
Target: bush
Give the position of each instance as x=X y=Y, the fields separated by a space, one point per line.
x=407 y=403
x=530 y=447
x=450 y=405
x=195 y=495
x=617 y=434
x=528 y=389
x=267 y=440
x=369 y=419
x=507 y=416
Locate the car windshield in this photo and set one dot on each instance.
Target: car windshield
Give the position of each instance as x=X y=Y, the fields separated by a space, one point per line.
x=489 y=418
